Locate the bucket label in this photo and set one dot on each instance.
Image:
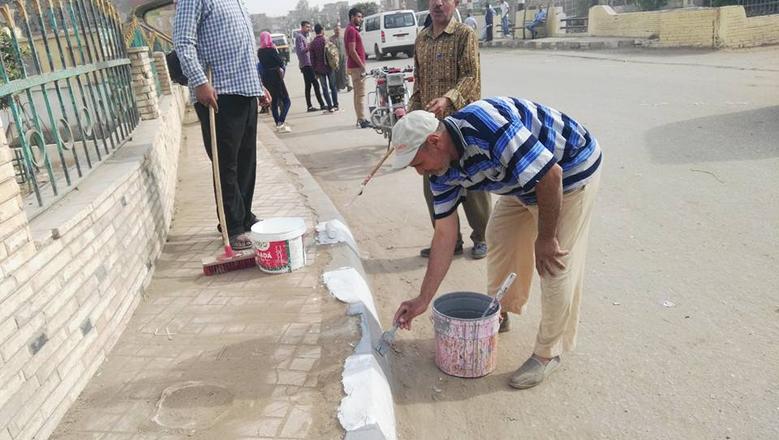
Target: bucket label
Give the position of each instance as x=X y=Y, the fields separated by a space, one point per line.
x=274 y=256
x=280 y=256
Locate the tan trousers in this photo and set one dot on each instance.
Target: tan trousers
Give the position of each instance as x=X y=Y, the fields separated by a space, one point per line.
x=511 y=235
x=477 y=206
x=358 y=82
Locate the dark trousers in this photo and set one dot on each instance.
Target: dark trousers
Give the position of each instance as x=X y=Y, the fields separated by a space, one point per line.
x=309 y=78
x=280 y=107
x=489 y=32
x=477 y=206
x=236 y=137
x=329 y=87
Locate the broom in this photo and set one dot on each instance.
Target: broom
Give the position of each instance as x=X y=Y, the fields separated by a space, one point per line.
x=229 y=260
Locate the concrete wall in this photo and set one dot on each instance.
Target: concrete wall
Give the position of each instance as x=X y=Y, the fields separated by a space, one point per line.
x=72 y=277
x=736 y=30
x=693 y=27
x=688 y=27
x=604 y=22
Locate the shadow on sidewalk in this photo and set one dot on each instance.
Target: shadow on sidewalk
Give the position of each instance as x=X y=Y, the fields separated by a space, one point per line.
x=346 y=163
x=747 y=135
x=410 y=389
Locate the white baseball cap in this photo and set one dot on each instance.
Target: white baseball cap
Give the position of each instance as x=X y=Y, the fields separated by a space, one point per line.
x=410 y=133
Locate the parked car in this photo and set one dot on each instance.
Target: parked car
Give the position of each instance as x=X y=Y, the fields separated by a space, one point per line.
x=422 y=17
x=282 y=45
x=390 y=33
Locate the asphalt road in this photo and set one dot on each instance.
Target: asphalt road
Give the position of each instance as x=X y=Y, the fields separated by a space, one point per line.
x=680 y=319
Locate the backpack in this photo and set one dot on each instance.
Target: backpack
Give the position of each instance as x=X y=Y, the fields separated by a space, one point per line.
x=331 y=55
x=174 y=68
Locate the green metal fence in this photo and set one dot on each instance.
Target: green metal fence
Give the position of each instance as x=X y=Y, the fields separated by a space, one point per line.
x=65 y=83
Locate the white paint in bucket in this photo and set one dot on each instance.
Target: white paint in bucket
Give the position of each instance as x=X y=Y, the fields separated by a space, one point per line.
x=466 y=343
x=279 y=244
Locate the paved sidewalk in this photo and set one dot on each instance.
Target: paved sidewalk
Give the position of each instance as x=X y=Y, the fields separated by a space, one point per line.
x=244 y=355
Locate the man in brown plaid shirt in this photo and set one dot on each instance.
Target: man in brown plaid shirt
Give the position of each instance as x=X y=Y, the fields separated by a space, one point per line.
x=447 y=78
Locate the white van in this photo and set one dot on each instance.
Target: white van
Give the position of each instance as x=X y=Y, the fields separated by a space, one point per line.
x=389 y=33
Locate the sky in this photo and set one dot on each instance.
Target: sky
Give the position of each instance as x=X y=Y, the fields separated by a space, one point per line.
x=275 y=8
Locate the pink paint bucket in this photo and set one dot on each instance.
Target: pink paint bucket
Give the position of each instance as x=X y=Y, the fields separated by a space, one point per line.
x=466 y=343
x=279 y=244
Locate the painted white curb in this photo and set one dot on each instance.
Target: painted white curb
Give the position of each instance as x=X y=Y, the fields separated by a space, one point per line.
x=367 y=411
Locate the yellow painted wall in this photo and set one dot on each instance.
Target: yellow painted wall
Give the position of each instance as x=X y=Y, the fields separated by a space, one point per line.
x=736 y=30
x=604 y=22
x=690 y=27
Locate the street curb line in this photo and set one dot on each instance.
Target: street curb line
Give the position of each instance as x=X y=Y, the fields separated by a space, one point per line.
x=367 y=410
x=566 y=45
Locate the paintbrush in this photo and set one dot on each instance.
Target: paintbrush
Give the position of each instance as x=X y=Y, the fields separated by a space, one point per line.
x=373 y=172
x=501 y=293
x=386 y=340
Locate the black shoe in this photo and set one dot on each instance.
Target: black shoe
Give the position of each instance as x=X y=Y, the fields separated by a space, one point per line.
x=364 y=124
x=505 y=325
x=312 y=109
x=458 y=250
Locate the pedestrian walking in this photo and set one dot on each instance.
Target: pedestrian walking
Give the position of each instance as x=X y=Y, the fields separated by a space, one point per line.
x=470 y=21
x=201 y=43
x=489 y=15
x=324 y=72
x=355 y=64
x=342 y=79
x=273 y=79
x=304 y=61
x=504 y=17
x=447 y=78
x=545 y=166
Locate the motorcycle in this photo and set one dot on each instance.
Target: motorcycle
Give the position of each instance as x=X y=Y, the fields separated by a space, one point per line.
x=390 y=99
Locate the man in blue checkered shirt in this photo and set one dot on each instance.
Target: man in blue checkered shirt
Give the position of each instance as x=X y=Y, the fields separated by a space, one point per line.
x=217 y=34
x=545 y=166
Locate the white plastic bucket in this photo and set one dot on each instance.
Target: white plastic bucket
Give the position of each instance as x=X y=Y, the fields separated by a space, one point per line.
x=279 y=244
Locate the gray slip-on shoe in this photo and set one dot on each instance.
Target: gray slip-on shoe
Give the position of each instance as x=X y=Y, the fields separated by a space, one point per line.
x=533 y=372
x=479 y=250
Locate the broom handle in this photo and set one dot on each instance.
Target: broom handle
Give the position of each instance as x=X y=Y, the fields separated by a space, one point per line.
x=378 y=165
x=220 y=209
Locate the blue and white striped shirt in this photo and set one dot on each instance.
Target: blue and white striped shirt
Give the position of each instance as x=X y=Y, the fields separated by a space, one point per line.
x=507 y=145
x=217 y=33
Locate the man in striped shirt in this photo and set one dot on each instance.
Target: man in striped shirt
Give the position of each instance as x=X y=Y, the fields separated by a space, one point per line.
x=545 y=166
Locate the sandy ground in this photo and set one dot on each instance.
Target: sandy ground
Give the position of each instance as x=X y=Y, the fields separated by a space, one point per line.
x=687 y=217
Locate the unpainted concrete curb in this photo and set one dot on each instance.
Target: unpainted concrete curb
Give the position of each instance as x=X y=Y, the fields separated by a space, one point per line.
x=566 y=45
x=367 y=376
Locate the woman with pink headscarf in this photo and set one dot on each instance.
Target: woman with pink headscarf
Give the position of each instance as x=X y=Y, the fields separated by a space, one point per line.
x=273 y=79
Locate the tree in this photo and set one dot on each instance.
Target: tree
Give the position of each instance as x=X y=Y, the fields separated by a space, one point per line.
x=12 y=66
x=367 y=8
